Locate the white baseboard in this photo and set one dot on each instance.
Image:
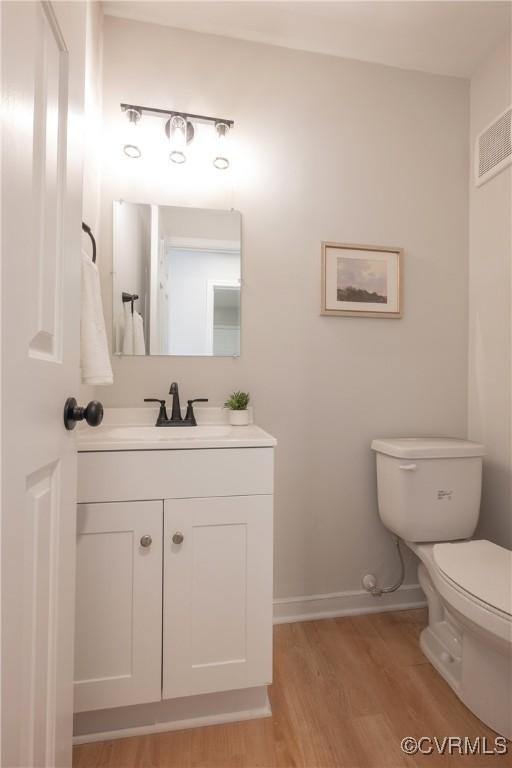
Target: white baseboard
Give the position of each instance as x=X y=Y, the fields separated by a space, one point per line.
x=172 y=715
x=175 y=725
x=353 y=603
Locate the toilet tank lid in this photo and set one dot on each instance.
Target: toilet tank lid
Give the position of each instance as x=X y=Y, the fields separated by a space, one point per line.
x=427 y=447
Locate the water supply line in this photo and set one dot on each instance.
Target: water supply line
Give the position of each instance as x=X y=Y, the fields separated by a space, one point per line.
x=370 y=582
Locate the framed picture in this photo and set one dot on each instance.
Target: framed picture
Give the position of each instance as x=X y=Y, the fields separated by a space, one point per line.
x=361 y=280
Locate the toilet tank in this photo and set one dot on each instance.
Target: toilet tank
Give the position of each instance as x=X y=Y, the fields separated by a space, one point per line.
x=429 y=488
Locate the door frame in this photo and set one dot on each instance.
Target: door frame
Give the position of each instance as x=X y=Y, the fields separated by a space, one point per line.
x=210 y=306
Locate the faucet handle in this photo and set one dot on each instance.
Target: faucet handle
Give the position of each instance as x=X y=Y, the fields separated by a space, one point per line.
x=162 y=414
x=190 y=416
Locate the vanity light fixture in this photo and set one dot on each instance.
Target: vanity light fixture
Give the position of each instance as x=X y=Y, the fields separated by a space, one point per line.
x=221 y=161
x=179 y=128
x=131 y=148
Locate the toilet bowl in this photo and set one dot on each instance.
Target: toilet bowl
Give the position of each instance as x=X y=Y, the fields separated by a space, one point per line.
x=468 y=586
x=429 y=495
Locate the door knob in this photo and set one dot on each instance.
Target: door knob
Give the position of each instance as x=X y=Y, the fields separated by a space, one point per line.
x=92 y=413
x=146 y=540
x=178 y=538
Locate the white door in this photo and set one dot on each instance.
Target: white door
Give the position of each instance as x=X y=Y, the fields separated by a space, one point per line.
x=42 y=93
x=118 y=636
x=217 y=594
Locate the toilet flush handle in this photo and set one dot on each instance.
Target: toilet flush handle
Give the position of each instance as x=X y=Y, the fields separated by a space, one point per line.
x=408 y=467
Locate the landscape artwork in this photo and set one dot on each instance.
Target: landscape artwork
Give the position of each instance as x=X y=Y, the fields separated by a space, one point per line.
x=361 y=281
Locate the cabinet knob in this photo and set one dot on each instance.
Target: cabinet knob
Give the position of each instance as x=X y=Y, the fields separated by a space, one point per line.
x=178 y=538
x=146 y=541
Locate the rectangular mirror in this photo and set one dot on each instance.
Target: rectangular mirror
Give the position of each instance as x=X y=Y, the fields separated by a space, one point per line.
x=176 y=280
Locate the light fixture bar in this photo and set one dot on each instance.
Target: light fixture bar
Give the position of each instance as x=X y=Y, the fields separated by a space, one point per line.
x=172 y=112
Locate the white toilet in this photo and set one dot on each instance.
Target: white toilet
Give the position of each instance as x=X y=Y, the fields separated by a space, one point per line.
x=428 y=492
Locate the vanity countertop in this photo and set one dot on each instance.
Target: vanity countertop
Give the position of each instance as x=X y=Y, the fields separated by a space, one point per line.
x=132 y=429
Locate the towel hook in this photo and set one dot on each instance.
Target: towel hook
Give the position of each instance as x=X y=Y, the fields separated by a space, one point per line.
x=87 y=229
x=129 y=297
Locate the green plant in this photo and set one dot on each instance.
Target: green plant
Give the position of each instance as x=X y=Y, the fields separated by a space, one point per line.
x=238 y=401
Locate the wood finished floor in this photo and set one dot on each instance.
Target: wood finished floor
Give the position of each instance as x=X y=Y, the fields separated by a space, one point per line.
x=346 y=692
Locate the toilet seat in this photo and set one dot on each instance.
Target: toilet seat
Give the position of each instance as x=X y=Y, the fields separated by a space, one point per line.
x=481 y=569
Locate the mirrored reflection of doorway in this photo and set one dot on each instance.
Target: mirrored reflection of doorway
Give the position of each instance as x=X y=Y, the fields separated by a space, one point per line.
x=171 y=258
x=225 y=318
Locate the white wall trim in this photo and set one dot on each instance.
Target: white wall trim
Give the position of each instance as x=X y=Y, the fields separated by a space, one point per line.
x=350 y=603
x=172 y=715
x=175 y=725
x=202 y=244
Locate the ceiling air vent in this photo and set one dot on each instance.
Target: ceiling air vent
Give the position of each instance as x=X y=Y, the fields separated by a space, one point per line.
x=493 y=148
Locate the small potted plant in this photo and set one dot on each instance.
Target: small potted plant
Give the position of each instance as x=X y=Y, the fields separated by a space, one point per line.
x=237 y=404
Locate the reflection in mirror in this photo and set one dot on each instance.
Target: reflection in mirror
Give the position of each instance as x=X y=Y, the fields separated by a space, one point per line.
x=176 y=280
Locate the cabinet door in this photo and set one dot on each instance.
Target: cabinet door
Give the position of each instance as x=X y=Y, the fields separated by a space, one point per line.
x=118 y=638
x=217 y=594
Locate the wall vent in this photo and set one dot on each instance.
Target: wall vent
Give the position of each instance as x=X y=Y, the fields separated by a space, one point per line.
x=493 y=148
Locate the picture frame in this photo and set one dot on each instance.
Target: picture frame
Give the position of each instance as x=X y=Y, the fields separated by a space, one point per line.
x=361 y=280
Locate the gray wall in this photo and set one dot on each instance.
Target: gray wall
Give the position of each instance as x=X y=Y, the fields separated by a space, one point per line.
x=326 y=149
x=490 y=384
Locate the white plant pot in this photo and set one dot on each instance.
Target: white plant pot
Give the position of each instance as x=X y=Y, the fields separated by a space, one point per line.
x=239 y=418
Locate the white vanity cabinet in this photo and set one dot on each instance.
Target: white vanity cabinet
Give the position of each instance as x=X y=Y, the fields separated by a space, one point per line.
x=187 y=611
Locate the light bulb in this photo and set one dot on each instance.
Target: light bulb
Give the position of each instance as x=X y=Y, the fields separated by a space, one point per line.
x=177 y=138
x=131 y=147
x=221 y=161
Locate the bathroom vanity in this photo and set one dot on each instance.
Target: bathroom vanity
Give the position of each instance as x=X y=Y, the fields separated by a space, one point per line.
x=174 y=574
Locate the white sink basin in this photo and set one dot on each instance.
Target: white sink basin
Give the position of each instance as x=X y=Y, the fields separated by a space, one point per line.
x=163 y=434
x=115 y=436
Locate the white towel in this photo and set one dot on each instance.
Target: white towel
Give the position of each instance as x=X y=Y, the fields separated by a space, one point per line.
x=127 y=340
x=139 y=346
x=95 y=358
